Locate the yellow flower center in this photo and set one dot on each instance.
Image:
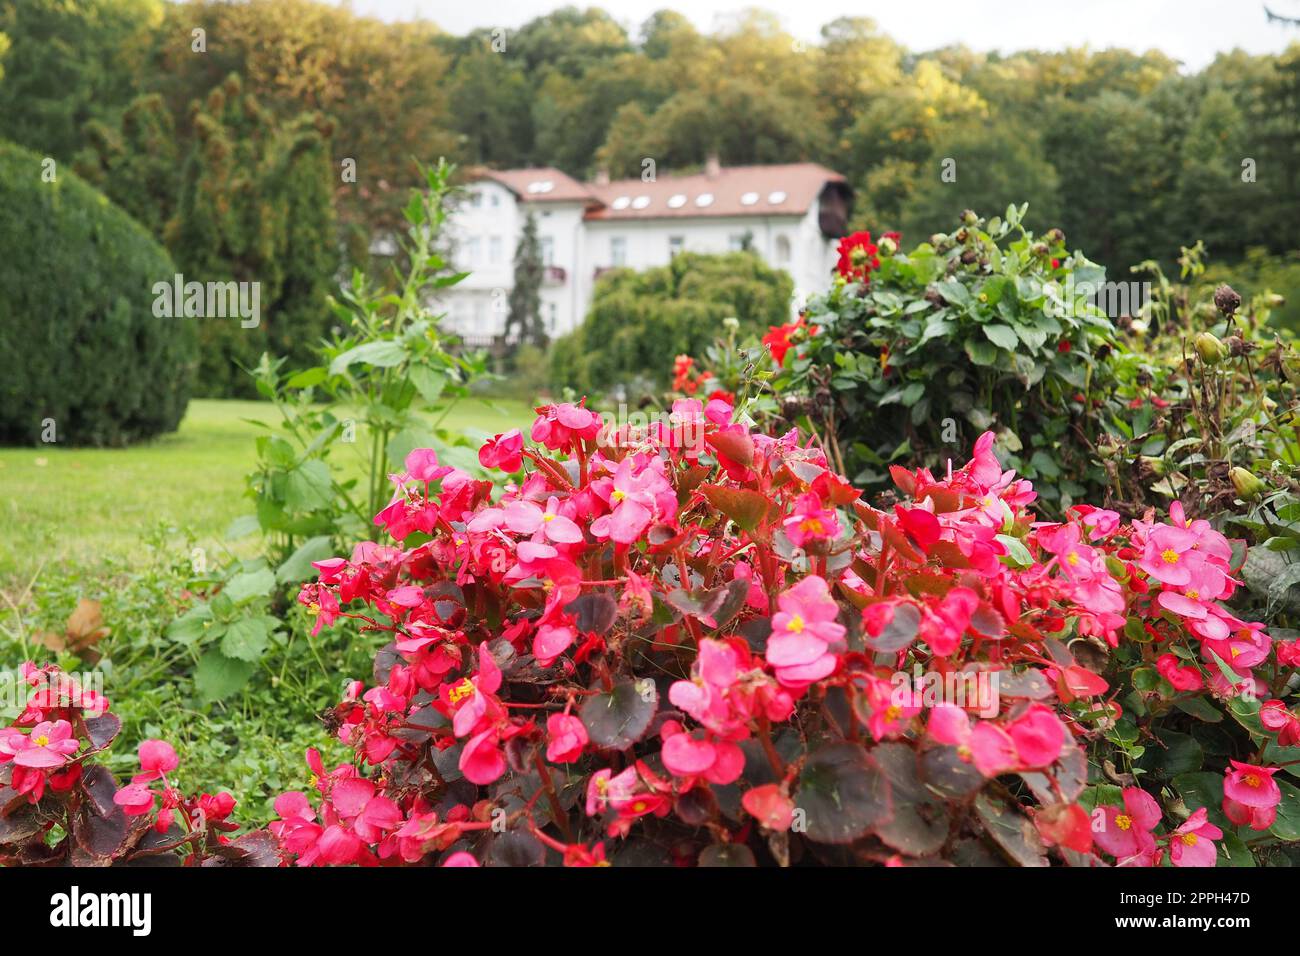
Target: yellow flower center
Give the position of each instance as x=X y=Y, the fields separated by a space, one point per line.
x=638 y=807
x=1123 y=821
x=548 y=517
x=893 y=712
x=1073 y=559
x=1189 y=839
x=1252 y=780
x=1194 y=595
x=796 y=624
x=812 y=526
x=313 y=608
x=1169 y=556
x=313 y=781
x=617 y=495
x=41 y=741
x=460 y=691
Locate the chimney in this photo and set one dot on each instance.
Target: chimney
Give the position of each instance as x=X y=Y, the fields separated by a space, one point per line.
x=602 y=176
x=712 y=168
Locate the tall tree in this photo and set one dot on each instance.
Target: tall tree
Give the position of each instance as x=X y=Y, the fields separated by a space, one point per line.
x=524 y=324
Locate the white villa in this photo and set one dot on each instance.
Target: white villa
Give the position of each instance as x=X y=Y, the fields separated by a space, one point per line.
x=791 y=215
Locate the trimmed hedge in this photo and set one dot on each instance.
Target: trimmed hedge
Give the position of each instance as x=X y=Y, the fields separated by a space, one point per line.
x=78 y=337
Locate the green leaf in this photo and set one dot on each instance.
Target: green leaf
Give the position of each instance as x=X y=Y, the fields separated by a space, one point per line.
x=308 y=487
x=1003 y=336
x=843 y=794
x=980 y=352
x=618 y=719
x=428 y=382
x=746 y=508
x=1017 y=555
x=192 y=626
x=218 y=676
x=308 y=377
x=1287 y=825
x=384 y=353
x=298 y=565
x=248 y=585
x=245 y=639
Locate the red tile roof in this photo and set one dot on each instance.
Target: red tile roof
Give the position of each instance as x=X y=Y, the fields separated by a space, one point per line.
x=538 y=184
x=789 y=189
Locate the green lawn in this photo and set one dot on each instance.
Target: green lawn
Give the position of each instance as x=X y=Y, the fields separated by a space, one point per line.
x=74 y=507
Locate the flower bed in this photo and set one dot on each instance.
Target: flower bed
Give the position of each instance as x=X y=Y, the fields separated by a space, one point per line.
x=693 y=644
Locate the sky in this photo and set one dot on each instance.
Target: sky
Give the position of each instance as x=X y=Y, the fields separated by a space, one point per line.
x=1189 y=30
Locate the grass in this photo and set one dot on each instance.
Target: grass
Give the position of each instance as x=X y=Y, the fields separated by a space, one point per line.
x=112 y=526
x=79 y=506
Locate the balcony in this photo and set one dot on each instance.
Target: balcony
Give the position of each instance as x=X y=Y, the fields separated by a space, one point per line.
x=554 y=275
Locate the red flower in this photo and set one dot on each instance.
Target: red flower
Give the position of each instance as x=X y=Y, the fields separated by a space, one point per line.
x=858 y=257
x=778 y=338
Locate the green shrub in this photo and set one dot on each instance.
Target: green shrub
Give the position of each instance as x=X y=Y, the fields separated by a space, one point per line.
x=640 y=320
x=81 y=344
x=987 y=328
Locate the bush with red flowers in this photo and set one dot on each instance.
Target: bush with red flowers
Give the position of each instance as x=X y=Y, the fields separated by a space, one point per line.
x=689 y=643
x=60 y=806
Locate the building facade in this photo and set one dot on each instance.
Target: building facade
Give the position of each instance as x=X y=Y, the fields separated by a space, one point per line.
x=791 y=215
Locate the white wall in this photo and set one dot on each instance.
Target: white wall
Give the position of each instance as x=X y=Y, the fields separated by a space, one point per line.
x=486 y=235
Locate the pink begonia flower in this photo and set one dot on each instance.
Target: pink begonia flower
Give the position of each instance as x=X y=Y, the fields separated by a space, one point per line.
x=481 y=760
x=49 y=745
x=1192 y=844
x=810 y=522
x=558 y=426
x=1251 y=786
x=635 y=497
x=685 y=755
x=460 y=858
x=1168 y=556
x=804 y=631
x=422 y=465
x=983 y=466
x=718 y=411
x=566 y=737
x=1183 y=677
x=157 y=757
x=1039 y=736
x=769 y=806
x=1275 y=716
x=551 y=641
x=135 y=799
x=943 y=624
x=1126 y=833
x=503 y=451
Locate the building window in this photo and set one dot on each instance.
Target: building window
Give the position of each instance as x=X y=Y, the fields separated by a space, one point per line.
x=782 y=250
x=496 y=199
x=551 y=315
x=494 y=251
x=476 y=199
x=618 y=251
x=470 y=251
x=675 y=245
x=736 y=242
x=548 y=251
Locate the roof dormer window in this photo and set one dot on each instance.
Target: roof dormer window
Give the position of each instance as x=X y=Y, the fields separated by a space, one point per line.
x=677 y=201
x=622 y=202
x=776 y=197
x=749 y=199
x=704 y=199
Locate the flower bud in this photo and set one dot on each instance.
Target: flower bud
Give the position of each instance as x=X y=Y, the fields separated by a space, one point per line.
x=731 y=323
x=1227 y=299
x=969 y=217
x=1274 y=301
x=1210 y=349
x=1148 y=468
x=887 y=246
x=1248 y=487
